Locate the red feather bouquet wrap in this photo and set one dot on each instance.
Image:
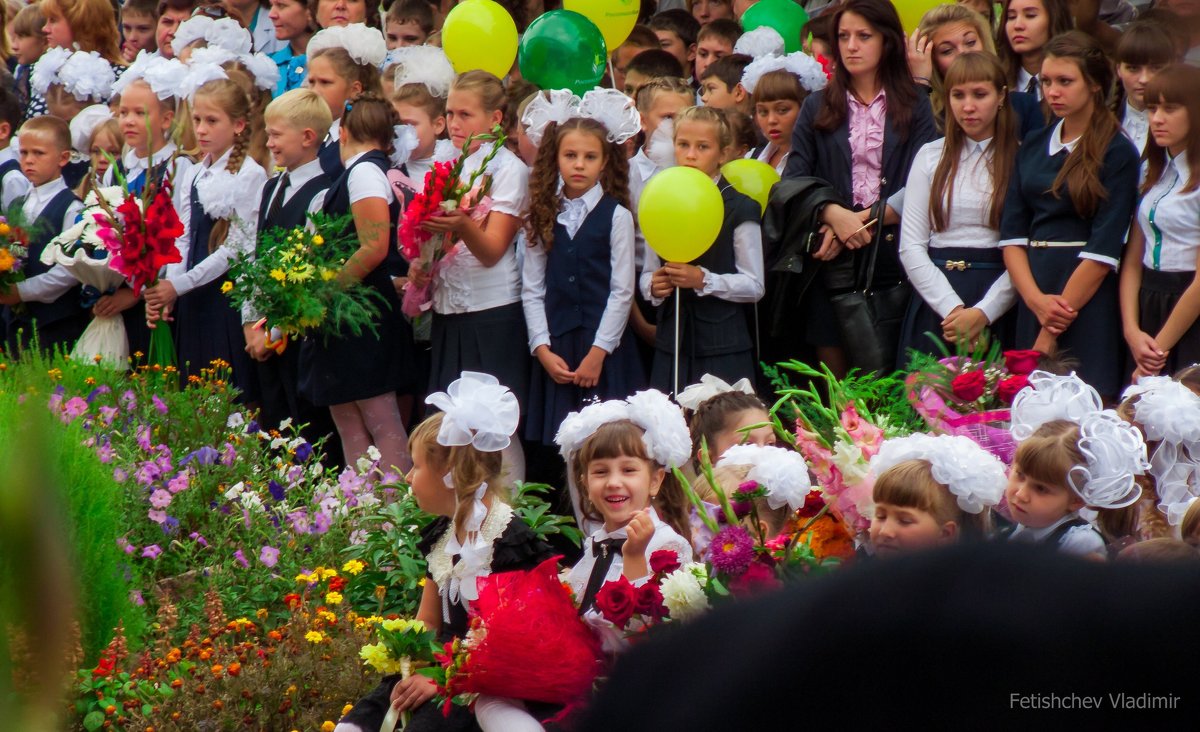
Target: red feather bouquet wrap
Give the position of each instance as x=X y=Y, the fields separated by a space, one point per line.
x=526 y=642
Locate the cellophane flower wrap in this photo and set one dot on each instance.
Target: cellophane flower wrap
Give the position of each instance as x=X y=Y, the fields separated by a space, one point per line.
x=14 y=250
x=293 y=282
x=444 y=191
x=969 y=394
x=526 y=642
x=139 y=234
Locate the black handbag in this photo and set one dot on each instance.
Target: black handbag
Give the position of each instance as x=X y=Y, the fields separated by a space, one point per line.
x=869 y=319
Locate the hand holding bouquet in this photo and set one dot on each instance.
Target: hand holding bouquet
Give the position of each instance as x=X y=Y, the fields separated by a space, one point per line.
x=444 y=192
x=293 y=281
x=14 y=248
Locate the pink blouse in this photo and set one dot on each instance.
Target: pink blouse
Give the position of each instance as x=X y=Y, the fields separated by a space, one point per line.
x=866 y=147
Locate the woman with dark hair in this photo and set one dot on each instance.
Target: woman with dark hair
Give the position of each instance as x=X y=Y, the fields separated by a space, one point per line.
x=1069 y=203
x=328 y=13
x=861 y=134
x=1026 y=27
x=1160 y=294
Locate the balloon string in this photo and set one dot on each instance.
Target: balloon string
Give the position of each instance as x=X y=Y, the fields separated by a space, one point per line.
x=612 y=76
x=675 y=390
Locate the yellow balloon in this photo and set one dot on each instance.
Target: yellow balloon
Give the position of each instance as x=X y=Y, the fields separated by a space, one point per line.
x=753 y=178
x=614 y=18
x=911 y=11
x=680 y=213
x=480 y=34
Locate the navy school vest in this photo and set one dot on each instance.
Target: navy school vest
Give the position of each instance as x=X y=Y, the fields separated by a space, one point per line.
x=337 y=200
x=295 y=211
x=578 y=271
x=47 y=226
x=330 y=156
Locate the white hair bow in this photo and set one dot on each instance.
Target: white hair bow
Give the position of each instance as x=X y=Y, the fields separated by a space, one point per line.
x=973 y=475
x=782 y=473
x=478 y=411
x=710 y=386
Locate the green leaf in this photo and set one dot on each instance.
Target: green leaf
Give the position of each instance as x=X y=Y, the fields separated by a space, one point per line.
x=93 y=721
x=147 y=710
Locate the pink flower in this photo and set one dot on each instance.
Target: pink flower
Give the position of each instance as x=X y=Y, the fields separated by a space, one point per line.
x=179 y=482
x=817 y=455
x=160 y=498
x=152 y=551
x=107 y=414
x=241 y=558
x=861 y=432
x=269 y=556
x=105 y=453
x=159 y=404
x=143 y=438
x=74 y=407
x=157 y=517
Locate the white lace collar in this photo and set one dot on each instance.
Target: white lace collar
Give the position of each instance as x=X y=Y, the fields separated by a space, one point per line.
x=441 y=563
x=133 y=163
x=223 y=194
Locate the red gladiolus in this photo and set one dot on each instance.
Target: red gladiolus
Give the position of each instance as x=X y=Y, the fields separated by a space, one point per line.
x=969 y=386
x=1008 y=388
x=1021 y=362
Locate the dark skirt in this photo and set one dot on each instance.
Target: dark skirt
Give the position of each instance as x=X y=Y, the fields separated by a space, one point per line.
x=491 y=341
x=368 y=713
x=727 y=366
x=280 y=397
x=137 y=332
x=207 y=327
x=971 y=284
x=1094 y=341
x=339 y=368
x=549 y=403
x=1159 y=295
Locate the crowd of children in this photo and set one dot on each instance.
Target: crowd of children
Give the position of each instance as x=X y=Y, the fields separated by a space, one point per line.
x=1028 y=177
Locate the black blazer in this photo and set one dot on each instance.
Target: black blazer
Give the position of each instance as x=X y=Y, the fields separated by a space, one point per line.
x=826 y=155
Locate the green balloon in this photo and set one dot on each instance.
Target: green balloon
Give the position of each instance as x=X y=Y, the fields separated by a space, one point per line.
x=563 y=50
x=784 y=16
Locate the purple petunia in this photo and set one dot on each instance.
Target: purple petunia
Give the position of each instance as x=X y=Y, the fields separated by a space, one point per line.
x=304 y=452
x=199 y=539
x=241 y=558
x=74 y=407
x=152 y=551
x=276 y=490
x=179 y=483
x=731 y=550
x=160 y=498
x=156 y=516
x=204 y=456
x=269 y=556
x=159 y=404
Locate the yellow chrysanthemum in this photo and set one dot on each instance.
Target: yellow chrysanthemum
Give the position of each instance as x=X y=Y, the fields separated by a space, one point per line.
x=354 y=566
x=314 y=636
x=333 y=598
x=376 y=656
x=300 y=274
x=226 y=287
x=278 y=275
x=327 y=616
x=318 y=240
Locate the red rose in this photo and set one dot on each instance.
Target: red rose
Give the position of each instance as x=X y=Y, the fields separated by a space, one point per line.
x=1008 y=388
x=1021 y=362
x=616 y=601
x=650 y=601
x=664 y=561
x=969 y=386
x=758 y=578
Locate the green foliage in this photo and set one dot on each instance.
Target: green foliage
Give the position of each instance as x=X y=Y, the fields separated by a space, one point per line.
x=530 y=506
x=394 y=561
x=819 y=404
x=293 y=280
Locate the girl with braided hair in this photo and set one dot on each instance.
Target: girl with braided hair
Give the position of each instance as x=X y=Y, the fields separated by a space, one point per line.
x=357 y=377
x=219 y=200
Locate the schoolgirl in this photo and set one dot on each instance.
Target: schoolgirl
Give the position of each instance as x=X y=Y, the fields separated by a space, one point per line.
x=1158 y=277
x=1068 y=206
x=778 y=85
x=578 y=277
x=343 y=63
x=1026 y=27
x=1144 y=50
x=951 y=221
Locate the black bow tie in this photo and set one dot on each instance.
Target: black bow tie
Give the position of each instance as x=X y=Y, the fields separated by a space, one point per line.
x=607 y=546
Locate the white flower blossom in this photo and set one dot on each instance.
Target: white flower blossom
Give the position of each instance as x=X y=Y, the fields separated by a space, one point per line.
x=683 y=594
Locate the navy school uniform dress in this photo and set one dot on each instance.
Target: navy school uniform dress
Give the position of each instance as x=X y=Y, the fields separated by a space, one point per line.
x=330 y=154
x=1056 y=237
x=578 y=273
x=279 y=375
x=59 y=323
x=136 y=331
x=714 y=334
x=207 y=326
x=341 y=368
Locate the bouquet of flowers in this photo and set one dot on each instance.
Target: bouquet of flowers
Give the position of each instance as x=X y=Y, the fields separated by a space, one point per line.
x=840 y=426
x=969 y=393
x=137 y=232
x=624 y=612
x=526 y=642
x=14 y=248
x=293 y=282
x=402 y=645
x=444 y=191
x=82 y=251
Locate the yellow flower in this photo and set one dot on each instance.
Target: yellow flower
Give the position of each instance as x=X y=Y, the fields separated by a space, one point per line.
x=378 y=658
x=403 y=626
x=353 y=566
x=6 y=260
x=307 y=579
x=318 y=240
x=346 y=709
x=314 y=636
x=226 y=287
x=300 y=274
x=5 y=229
x=327 y=726
x=421 y=583
x=326 y=573
x=278 y=275
x=327 y=274
x=333 y=598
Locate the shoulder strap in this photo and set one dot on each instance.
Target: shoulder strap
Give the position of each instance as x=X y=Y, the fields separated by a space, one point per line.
x=1055 y=538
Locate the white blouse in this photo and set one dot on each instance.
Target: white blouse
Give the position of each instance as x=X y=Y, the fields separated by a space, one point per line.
x=1170 y=220
x=572 y=214
x=1023 y=83
x=466 y=285
x=765 y=156
x=1080 y=541
x=235 y=197
x=664 y=538
x=1136 y=126
x=135 y=166
x=970 y=204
